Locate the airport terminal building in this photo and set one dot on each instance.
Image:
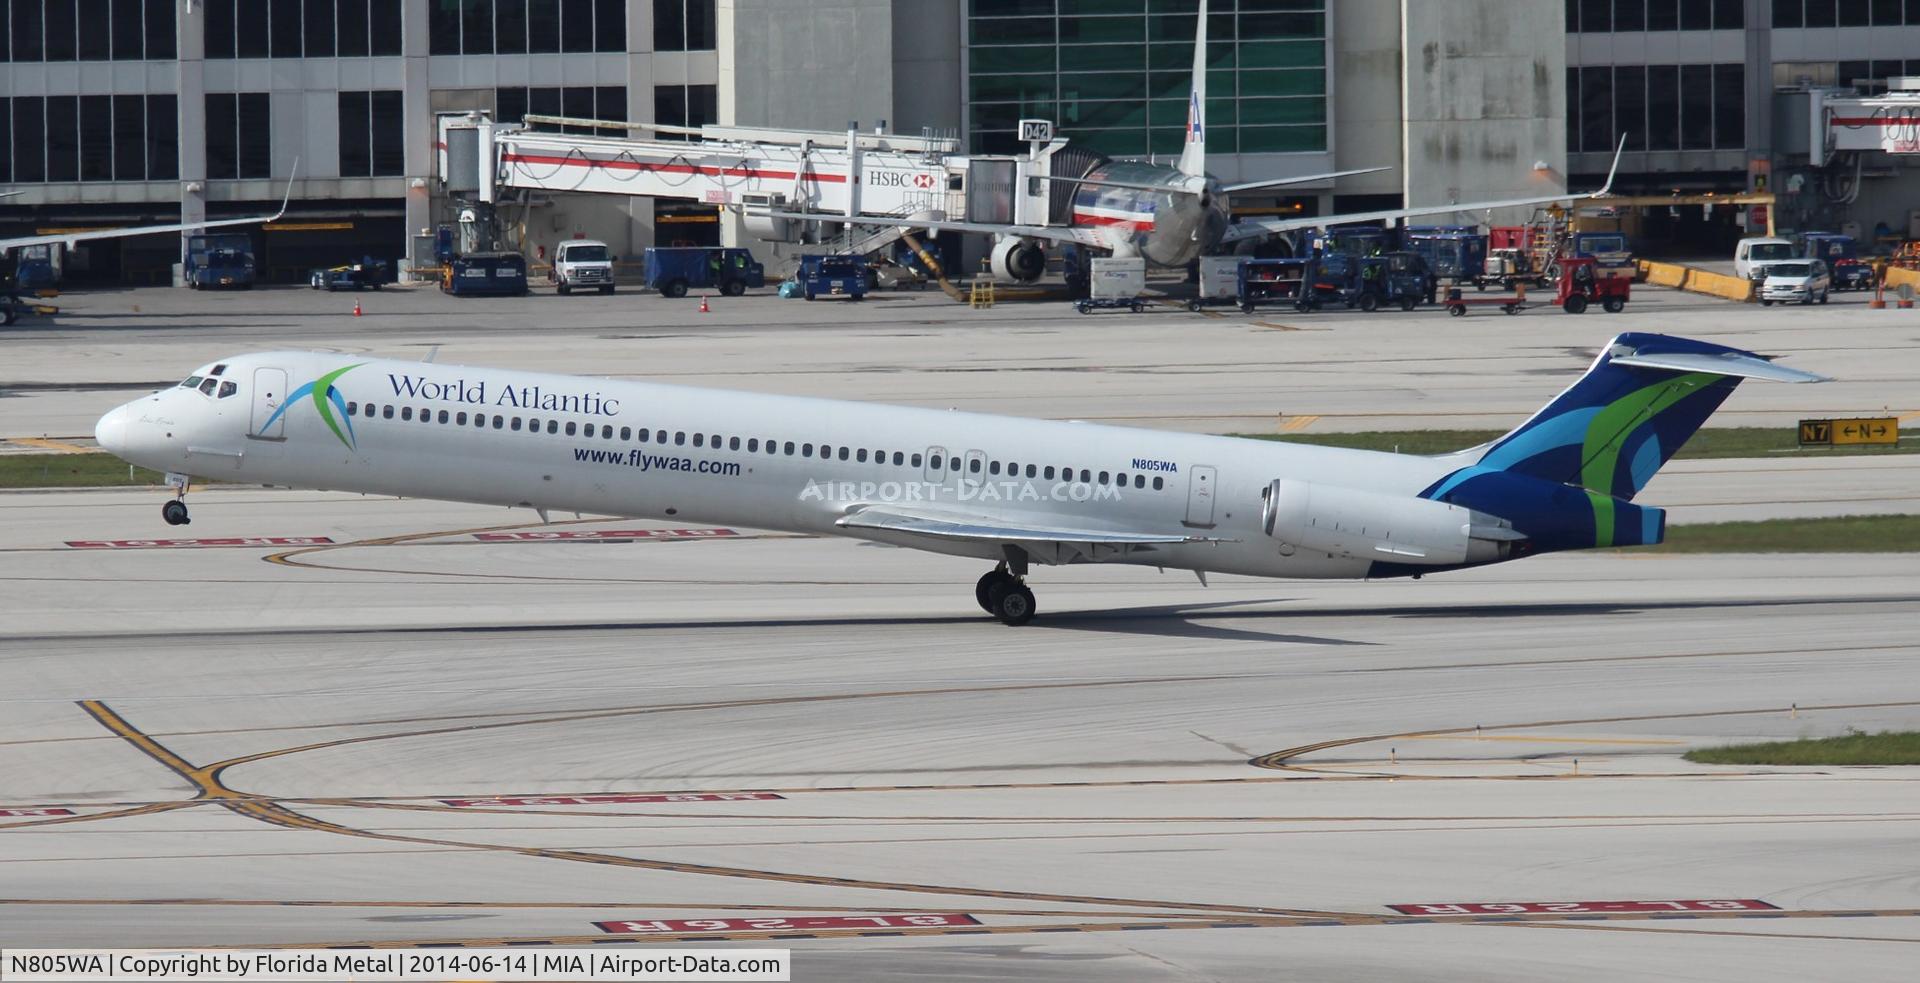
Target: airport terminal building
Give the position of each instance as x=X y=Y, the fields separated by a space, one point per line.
x=121 y=112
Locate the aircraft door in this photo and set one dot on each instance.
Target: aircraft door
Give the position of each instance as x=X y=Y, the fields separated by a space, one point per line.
x=1200 y=480
x=974 y=471
x=269 y=394
x=936 y=465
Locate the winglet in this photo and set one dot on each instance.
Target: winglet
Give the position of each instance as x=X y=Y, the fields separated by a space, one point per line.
x=1193 y=156
x=288 y=197
x=1607 y=188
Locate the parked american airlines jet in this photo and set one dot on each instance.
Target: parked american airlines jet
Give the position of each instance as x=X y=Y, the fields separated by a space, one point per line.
x=1014 y=492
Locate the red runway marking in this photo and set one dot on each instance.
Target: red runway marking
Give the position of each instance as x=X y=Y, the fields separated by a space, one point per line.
x=1577 y=907
x=173 y=544
x=799 y=923
x=585 y=800
x=554 y=535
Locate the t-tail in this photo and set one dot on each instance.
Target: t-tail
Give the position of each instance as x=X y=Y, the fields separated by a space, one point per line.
x=1566 y=478
x=1193 y=156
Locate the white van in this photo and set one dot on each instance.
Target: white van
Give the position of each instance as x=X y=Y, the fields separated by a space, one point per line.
x=1752 y=256
x=1802 y=280
x=582 y=263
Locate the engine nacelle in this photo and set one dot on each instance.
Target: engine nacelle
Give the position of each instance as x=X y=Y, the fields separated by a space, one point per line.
x=1019 y=260
x=1366 y=525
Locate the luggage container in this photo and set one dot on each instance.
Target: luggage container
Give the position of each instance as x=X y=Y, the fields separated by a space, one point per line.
x=1219 y=282
x=1115 y=282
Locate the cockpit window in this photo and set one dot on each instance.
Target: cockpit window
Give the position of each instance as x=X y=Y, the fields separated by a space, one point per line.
x=219 y=369
x=228 y=389
x=192 y=381
x=206 y=388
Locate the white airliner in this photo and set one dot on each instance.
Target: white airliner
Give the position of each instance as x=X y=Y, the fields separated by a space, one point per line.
x=1015 y=492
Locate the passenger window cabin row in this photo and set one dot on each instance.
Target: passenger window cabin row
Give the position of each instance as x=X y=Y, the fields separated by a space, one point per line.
x=751 y=445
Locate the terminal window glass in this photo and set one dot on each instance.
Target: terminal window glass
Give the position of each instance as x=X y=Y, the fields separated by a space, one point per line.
x=684 y=25
x=1853 y=13
x=163 y=137
x=510 y=26
x=1821 y=13
x=129 y=137
x=543 y=26
x=96 y=138
x=25 y=33
x=1629 y=15
x=352 y=28
x=63 y=138
x=96 y=43
x=62 y=29
x=576 y=25
x=1114 y=77
x=319 y=28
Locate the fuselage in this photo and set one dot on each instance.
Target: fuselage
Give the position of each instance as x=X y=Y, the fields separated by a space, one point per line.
x=796 y=464
x=1170 y=228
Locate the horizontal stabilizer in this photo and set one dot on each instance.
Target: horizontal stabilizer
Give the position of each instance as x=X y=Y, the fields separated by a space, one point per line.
x=1739 y=364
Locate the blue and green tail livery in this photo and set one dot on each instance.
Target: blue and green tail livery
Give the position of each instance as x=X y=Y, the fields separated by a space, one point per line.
x=1568 y=475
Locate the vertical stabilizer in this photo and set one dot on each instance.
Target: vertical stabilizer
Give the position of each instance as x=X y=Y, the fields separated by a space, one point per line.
x=1193 y=157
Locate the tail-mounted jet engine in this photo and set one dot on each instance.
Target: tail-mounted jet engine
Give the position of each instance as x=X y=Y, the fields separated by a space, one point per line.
x=1303 y=515
x=1019 y=260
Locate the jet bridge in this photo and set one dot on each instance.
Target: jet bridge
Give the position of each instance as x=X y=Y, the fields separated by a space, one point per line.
x=757 y=170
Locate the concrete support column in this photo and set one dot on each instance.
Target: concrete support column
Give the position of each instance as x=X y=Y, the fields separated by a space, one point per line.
x=1484 y=101
x=190 y=86
x=417 y=108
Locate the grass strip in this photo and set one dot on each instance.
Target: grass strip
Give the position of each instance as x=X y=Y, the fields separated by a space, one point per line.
x=1828 y=534
x=1715 y=442
x=1853 y=748
x=72 y=471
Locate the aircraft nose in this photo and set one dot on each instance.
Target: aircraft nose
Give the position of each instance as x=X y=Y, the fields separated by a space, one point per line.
x=111 y=431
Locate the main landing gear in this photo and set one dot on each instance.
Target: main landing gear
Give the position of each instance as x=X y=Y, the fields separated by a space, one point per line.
x=1003 y=594
x=175 y=511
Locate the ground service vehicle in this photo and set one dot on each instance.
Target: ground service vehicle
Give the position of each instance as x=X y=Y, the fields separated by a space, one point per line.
x=219 y=260
x=1261 y=282
x=1751 y=256
x=1583 y=282
x=1454 y=253
x=1842 y=256
x=1803 y=280
x=673 y=270
x=583 y=263
x=37 y=267
x=486 y=275
x=368 y=274
x=1368 y=282
x=827 y=276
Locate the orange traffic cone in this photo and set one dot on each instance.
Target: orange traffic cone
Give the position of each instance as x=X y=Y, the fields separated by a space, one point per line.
x=356 y=308
x=704 y=309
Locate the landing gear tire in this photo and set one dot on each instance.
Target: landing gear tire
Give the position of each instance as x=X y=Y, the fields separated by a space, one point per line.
x=991 y=581
x=1013 y=604
x=175 y=513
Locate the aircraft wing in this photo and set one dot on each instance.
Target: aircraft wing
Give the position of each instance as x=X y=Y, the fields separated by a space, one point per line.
x=142 y=230
x=1048 y=542
x=1097 y=237
x=1253 y=228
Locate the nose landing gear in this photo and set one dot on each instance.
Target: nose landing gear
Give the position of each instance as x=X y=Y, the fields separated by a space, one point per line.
x=1003 y=594
x=175 y=511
